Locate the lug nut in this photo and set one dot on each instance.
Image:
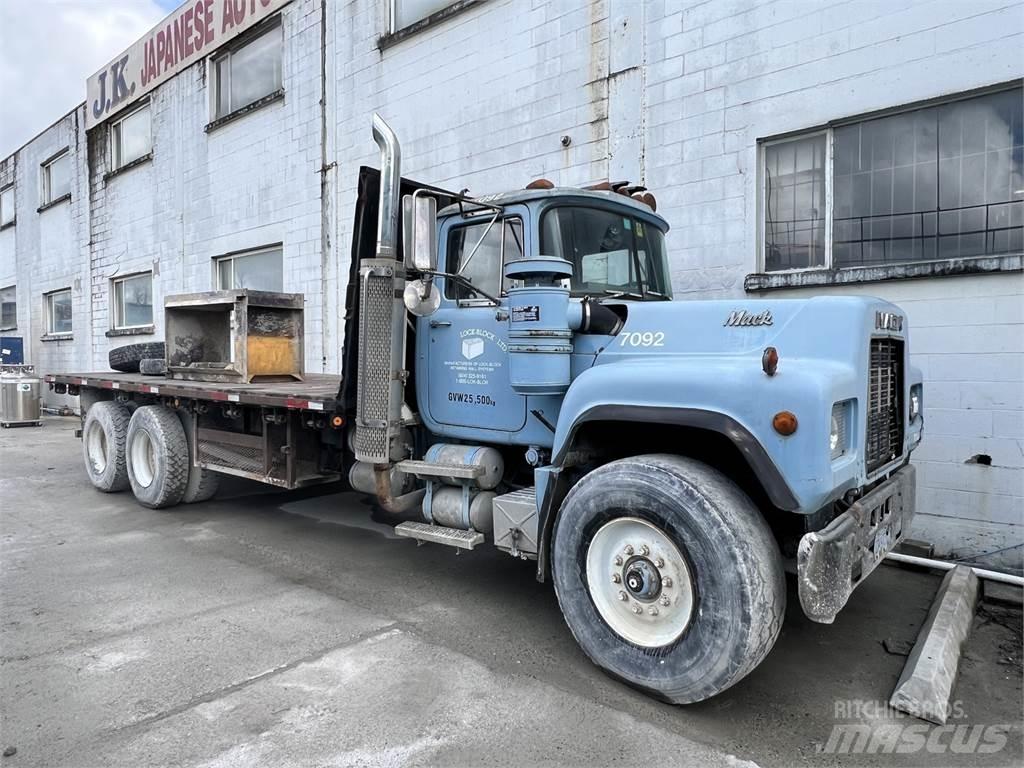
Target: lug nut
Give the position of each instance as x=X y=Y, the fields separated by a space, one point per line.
x=618 y=560
x=637 y=609
x=623 y=596
x=653 y=611
x=666 y=582
x=659 y=563
x=629 y=549
x=644 y=550
x=616 y=578
x=665 y=601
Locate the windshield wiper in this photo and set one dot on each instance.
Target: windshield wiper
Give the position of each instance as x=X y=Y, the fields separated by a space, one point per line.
x=609 y=294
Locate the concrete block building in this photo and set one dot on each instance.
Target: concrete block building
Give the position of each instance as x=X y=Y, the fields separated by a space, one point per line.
x=795 y=147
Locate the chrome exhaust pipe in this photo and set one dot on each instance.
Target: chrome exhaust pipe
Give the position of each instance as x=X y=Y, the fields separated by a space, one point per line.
x=382 y=374
x=390 y=188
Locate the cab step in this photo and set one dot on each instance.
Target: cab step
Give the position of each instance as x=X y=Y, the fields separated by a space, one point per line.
x=430 y=469
x=439 y=534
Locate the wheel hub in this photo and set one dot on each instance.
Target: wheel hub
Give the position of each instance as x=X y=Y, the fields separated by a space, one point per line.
x=642 y=579
x=639 y=582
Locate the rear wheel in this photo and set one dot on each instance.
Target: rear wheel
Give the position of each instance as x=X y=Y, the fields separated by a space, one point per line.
x=157 y=457
x=668 y=576
x=104 y=435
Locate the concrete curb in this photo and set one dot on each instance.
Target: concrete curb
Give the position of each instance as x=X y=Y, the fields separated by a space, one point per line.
x=925 y=687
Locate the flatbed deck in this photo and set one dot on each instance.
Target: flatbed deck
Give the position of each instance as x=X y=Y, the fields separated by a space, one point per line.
x=317 y=392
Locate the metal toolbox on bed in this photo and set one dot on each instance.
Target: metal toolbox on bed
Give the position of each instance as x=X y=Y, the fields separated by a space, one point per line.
x=234 y=336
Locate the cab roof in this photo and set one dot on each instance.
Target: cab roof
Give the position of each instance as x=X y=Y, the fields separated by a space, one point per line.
x=560 y=193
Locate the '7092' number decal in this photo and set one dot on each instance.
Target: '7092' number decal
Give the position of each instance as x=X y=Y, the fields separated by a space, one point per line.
x=644 y=339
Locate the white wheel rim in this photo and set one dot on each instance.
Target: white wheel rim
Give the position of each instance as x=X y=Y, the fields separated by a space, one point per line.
x=96 y=448
x=143 y=458
x=624 y=560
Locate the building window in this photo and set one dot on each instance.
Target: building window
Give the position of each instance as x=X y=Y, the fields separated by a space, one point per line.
x=407 y=12
x=261 y=270
x=7 y=205
x=248 y=72
x=56 y=178
x=133 y=301
x=58 y=312
x=477 y=253
x=940 y=182
x=131 y=137
x=8 y=308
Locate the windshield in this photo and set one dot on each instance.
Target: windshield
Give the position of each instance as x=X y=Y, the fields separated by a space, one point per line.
x=611 y=253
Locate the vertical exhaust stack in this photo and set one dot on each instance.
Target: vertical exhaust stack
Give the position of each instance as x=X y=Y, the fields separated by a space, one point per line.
x=382 y=374
x=382 y=320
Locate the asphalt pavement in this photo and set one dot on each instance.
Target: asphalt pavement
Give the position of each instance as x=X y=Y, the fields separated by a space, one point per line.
x=290 y=629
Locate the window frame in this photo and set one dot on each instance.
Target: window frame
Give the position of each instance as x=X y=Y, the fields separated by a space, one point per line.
x=265 y=27
x=12 y=287
x=829 y=131
x=484 y=218
x=235 y=255
x=115 y=128
x=46 y=197
x=117 y=306
x=394 y=34
x=48 y=304
x=4 y=222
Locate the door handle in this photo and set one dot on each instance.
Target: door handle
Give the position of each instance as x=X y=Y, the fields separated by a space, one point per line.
x=440 y=323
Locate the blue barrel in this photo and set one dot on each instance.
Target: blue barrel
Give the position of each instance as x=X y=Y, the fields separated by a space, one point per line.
x=539 y=338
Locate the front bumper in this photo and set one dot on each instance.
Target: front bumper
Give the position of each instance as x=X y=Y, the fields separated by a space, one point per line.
x=833 y=561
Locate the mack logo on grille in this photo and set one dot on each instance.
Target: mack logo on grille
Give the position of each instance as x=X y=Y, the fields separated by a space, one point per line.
x=888 y=321
x=742 y=318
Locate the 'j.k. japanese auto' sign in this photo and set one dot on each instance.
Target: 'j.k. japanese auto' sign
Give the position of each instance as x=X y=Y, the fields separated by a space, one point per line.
x=193 y=31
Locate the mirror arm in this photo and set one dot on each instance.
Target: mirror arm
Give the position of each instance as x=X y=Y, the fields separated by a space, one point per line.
x=431 y=273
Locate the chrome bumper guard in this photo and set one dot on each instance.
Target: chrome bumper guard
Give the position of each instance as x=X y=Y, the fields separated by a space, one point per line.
x=832 y=562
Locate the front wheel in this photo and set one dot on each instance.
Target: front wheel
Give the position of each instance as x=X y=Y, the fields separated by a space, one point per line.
x=668 y=576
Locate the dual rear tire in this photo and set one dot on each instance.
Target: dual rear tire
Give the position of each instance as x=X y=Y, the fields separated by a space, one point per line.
x=147 y=449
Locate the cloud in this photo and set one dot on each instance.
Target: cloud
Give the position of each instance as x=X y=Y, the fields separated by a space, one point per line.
x=49 y=47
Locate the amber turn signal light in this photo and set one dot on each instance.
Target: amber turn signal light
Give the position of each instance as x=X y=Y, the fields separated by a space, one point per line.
x=784 y=423
x=770 y=360
x=337 y=421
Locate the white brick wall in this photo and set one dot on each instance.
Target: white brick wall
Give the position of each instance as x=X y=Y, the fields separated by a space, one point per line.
x=672 y=94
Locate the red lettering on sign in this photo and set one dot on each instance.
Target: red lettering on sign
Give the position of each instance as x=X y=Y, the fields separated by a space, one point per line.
x=208 y=8
x=228 y=17
x=186 y=26
x=179 y=40
x=168 y=62
x=160 y=50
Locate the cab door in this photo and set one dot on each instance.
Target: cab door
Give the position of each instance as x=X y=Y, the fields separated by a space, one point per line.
x=464 y=344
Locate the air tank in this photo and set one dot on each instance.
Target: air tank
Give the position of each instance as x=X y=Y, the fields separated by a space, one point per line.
x=446 y=509
x=476 y=455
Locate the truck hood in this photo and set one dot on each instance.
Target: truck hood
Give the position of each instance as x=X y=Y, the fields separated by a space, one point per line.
x=825 y=327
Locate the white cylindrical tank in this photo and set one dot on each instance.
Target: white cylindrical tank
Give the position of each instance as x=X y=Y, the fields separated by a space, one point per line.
x=447 y=509
x=19 y=395
x=477 y=455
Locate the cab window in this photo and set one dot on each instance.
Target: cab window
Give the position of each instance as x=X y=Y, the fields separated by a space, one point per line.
x=482 y=264
x=611 y=254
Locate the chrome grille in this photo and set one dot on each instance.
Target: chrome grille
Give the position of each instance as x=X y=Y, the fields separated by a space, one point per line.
x=884 y=441
x=376 y=302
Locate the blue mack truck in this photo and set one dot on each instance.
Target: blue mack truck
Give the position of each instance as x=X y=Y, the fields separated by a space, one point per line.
x=517 y=375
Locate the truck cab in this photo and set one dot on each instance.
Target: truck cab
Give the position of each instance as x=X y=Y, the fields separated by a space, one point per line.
x=663 y=462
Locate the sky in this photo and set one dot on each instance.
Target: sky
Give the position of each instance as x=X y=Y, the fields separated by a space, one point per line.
x=49 y=47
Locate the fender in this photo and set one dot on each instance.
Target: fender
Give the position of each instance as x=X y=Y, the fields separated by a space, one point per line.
x=754 y=453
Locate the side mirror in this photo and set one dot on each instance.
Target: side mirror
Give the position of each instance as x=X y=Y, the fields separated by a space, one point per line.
x=419 y=234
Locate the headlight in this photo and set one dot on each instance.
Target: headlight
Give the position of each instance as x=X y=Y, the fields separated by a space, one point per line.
x=915 y=402
x=838 y=442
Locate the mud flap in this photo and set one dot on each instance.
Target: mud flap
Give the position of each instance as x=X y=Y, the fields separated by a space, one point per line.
x=832 y=562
